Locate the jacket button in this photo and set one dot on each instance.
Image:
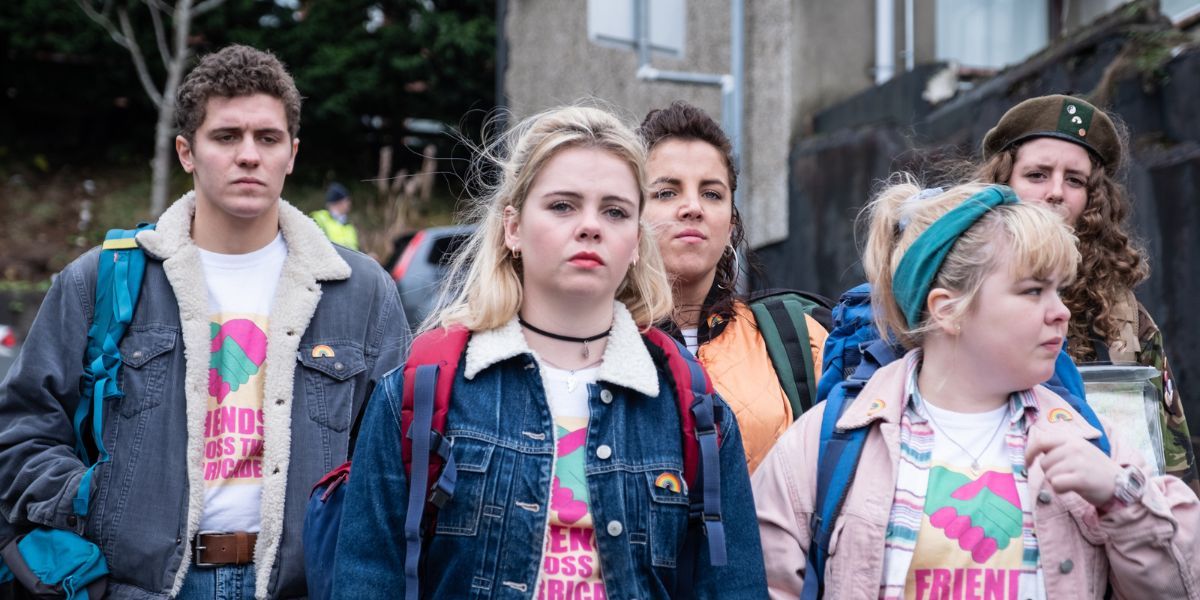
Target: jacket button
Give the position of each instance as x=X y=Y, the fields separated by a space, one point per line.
x=337 y=366
x=606 y=396
x=615 y=528
x=1044 y=497
x=137 y=355
x=1065 y=566
x=603 y=452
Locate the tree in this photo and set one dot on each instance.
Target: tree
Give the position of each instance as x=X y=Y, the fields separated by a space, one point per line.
x=172 y=46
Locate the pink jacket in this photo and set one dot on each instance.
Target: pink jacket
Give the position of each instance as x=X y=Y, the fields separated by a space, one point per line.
x=1149 y=550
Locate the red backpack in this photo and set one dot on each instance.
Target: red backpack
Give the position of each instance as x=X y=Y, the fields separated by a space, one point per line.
x=429 y=376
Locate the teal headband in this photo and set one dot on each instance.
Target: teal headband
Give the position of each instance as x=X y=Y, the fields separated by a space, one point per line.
x=922 y=261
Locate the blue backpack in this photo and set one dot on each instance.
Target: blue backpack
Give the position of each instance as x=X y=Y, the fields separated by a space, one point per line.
x=854 y=350
x=54 y=562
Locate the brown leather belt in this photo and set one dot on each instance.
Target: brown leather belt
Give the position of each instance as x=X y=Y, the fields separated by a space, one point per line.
x=218 y=549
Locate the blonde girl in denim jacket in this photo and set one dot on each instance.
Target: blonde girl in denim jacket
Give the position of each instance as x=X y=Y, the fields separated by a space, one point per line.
x=975 y=481
x=563 y=420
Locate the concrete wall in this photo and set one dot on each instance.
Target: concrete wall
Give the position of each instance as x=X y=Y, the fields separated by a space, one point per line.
x=797 y=60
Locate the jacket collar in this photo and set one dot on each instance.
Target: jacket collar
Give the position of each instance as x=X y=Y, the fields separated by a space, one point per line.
x=886 y=394
x=306 y=244
x=626 y=360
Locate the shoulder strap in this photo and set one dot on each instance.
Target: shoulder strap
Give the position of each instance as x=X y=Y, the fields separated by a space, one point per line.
x=121 y=266
x=784 y=329
x=837 y=461
x=429 y=376
x=697 y=418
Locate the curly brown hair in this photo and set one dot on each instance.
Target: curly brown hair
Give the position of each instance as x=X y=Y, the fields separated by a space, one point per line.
x=683 y=121
x=234 y=71
x=1113 y=262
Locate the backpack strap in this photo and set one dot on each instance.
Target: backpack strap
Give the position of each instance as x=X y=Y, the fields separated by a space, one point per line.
x=837 y=460
x=120 y=269
x=429 y=376
x=784 y=330
x=697 y=418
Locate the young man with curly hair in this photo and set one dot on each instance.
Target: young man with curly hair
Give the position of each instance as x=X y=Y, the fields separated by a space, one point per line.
x=254 y=343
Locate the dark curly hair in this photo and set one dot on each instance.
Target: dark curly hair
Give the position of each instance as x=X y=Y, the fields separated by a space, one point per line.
x=683 y=121
x=1112 y=264
x=234 y=71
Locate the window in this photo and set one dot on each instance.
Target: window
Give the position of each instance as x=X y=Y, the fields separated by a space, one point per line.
x=1179 y=10
x=990 y=34
x=613 y=23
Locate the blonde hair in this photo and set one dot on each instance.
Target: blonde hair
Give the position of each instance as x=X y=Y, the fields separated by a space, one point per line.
x=484 y=288
x=1036 y=240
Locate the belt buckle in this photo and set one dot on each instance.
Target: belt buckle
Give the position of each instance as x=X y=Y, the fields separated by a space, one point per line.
x=196 y=548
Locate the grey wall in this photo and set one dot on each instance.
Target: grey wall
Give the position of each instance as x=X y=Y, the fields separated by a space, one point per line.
x=860 y=141
x=797 y=60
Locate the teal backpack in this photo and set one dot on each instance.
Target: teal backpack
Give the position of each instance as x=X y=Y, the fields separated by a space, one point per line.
x=55 y=562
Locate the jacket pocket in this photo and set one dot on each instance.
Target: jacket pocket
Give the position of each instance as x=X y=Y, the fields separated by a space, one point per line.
x=329 y=371
x=668 y=517
x=461 y=515
x=145 y=357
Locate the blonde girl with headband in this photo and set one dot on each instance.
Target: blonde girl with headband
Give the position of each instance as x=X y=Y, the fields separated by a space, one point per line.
x=974 y=480
x=563 y=418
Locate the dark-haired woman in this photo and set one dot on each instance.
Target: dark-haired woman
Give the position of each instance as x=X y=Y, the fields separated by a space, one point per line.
x=691 y=210
x=1063 y=152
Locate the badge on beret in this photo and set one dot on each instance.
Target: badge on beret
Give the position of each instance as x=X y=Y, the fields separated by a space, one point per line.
x=1075 y=118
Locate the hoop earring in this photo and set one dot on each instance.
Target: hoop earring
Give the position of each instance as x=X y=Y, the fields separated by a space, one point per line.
x=516 y=253
x=729 y=249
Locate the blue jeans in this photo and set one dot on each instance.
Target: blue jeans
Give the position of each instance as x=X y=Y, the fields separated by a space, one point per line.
x=234 y=582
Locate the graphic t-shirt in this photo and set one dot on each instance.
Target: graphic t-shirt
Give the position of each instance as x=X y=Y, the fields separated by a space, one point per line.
x=570 y=560
x=241 y=288
x=970 y=541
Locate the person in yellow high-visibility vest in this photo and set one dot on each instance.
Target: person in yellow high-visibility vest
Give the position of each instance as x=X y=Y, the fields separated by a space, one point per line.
x=334 y=219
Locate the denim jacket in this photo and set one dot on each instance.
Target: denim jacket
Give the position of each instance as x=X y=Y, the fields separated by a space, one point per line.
x=147 y=502
x=488 y=540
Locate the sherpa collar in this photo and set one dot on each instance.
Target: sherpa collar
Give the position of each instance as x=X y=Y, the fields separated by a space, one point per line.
x=626 y=360
x=306 y=244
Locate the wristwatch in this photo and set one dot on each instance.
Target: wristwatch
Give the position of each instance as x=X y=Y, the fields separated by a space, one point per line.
x=1130 y=486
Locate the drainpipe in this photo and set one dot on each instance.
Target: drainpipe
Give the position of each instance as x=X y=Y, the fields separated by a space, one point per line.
x=885 y=40
x=731 y=83
x=910 y=58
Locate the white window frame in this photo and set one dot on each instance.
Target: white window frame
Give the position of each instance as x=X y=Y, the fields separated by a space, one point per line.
x=613 y=23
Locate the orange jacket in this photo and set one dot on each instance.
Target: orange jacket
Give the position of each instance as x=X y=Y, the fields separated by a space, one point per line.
x=741 y=370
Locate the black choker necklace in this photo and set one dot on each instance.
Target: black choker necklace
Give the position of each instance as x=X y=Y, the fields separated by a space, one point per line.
x=566 y=338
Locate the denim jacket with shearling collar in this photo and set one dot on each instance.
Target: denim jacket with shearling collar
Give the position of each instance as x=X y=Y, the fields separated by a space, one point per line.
x=487 y=541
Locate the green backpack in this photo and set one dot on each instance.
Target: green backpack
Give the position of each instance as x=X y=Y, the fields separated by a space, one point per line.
x=780 y=315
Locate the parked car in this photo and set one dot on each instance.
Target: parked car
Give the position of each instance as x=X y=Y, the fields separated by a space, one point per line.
x=9 y=347
x=421 y=267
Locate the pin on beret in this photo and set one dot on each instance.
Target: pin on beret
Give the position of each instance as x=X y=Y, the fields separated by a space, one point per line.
x=1062 y=117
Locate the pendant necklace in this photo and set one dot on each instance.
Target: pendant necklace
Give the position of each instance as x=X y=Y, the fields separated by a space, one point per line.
x=566 y=338
x=975 y=468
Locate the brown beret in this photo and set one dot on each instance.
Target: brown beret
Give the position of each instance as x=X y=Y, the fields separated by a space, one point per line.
x=1063 y=117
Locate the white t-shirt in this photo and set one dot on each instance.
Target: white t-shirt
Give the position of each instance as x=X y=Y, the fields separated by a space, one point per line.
x=570 y=561
x=241 y=288
x=971 y=533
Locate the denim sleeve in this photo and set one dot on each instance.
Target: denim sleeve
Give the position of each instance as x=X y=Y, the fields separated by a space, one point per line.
x=39 y=471
x=744 y=576
x=369 y=562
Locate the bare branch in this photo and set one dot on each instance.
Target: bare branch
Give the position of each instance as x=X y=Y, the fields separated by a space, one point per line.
x=103 y=21
x=206 y=6
x=159 y=33
x=138 y=61
x=160 y=5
